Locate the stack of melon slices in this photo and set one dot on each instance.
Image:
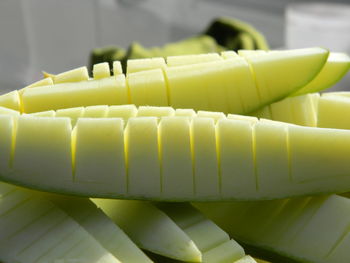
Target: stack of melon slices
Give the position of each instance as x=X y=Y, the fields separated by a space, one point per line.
x=99 y=137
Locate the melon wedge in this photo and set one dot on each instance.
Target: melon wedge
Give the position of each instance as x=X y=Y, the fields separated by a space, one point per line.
x=144 y=64
x=74 y=75
x=173 y=61
x=337 y=65
x=101 y=70
x=117 y=68
x=33 y=230
x=10 y=100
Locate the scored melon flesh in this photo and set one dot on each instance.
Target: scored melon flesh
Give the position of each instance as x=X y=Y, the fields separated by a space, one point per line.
x=205 y=160
x=204 y=86
x=7 y=130
x=151 y=229
x=236 y=158
x=42 y=152
x=142 y=157
x=333 y=112
x=74 y=75
x=7 y=111
x=242 y=118
x=317 y=154
x=122 y=111
x=34 y=230
x=43 y=82
x=11 y=100
x=117 y=68
x=98 y=154
x=49 y=113
x=73 y=113
x=143 y=64
x=99 y=111
x=214 y=244
x=185 y=113
x=173 y=61
x=151 y=111
x=107 y=91
x=292 y=70
x=337 y=65
x=271 y=144
x=148 y=88
x=211 y=114
x=101 y=70
x=176 y=158
x=100 y=226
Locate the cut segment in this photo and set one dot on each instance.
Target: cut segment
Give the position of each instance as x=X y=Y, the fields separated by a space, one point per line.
x=72 y=113
x=176 y=158
x=337 y=65
x=11 y=100
x=74 y=75
x=333 y=112
x=151 y=229
x=293 y=69
x=205 y=160
x=144 y=64
x=98 y=155
x=142 y=157
x=122 y=111
x=173 y=61
x=148 y=88
x=117 y=68
x=151 y=111
x=211 y=114
x=42 y=152
x=101 y=70
x=107 y=91
x=99 y=111
x=49 y=113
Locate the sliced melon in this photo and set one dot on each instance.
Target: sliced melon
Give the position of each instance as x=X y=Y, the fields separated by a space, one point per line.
x=151 y=229
x=101 y=70
x=229 y=54
x=122 y=111
x=148 y=88
x=11 y=100
x=205 y=160
x=333 y=112
x=42 y=151
x=176 y=158
x=72 y=113
x=99 y=111
x=337 y=65
x=173 y=61
x=235 y=146
x=34 y=230
x=142 y=157
x=211 y=114
x=185 y=113
x=47 y=81
x=117 y=68
x=102 y=137
x=7 y=111
x=100 y=226
x=143 y=64
x=74 y=75
x=151 y=111
x=49 y=113
x=107 y=91
x=292 y=70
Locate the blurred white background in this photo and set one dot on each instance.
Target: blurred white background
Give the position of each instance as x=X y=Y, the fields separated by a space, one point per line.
x=56 y=35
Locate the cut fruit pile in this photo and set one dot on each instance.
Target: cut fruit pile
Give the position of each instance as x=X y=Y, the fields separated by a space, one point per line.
x=99 y=138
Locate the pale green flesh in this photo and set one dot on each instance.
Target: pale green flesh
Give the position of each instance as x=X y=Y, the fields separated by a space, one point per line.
x=289 y=227
x=151 y=229
x=34 y=230
x=173 y=158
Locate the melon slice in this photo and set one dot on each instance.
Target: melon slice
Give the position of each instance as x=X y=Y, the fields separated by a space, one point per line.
x=323 y=218
x=205 y=160
x=211 y=114
x=205 y=86
x=214 y=243
x=10 y=100
x=34 y=230
x=142 y=157
x=235 y=146
x=42 y=152
x=100 y=226
x=333 y=112
x=173 y=61
x=49 y=113
x=337 y=65
x=151 y=111
x=148 y=88
x=107 y=91
x=47 y=81
x=185 y=113
x=143 y=64
x=229 y=54
x=176 y=158
x=98 y=111
x=293 y=68
x=102 y=137
x=101 y=70
x=117 y=68
x=122 y=111
x=74 y=75
x=72 y=113
x=242 y=118
x=7 y=111
x=151 y=229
